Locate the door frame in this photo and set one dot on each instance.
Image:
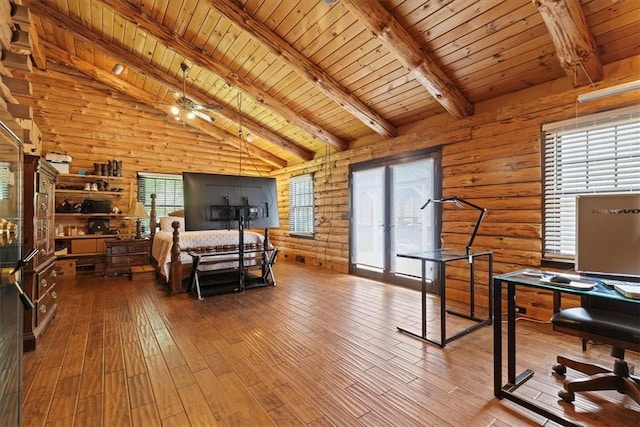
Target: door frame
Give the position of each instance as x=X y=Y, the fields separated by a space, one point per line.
x=397 y=159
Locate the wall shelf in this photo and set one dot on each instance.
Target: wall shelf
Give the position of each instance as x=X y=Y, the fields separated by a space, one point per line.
x=90 y=236
x=90 y=193
x=79 y=176
x=91 y=215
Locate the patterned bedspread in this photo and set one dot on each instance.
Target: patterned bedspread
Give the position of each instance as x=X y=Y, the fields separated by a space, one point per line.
x=205 y=240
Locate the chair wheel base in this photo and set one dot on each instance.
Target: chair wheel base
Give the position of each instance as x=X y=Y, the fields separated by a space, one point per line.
x=567 y=396
x=559 y=369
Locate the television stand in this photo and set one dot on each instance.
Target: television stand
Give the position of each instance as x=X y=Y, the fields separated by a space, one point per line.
x=250 y=268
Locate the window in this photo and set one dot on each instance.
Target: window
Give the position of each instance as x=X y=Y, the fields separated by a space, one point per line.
x=599 y=153
x=6 y=180
x=168 y=191
x=301 y=218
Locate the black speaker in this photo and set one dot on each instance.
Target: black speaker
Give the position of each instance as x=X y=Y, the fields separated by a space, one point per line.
x=98 y=226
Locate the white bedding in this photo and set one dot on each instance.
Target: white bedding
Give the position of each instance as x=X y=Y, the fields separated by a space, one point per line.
x=214 y=239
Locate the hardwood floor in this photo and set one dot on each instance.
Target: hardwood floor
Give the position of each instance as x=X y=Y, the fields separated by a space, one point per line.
x=319 y=349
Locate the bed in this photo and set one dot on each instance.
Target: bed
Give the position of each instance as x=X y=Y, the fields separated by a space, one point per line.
x=173 y=249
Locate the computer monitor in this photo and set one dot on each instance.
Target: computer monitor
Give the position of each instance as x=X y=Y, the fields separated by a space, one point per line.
x=608 y=235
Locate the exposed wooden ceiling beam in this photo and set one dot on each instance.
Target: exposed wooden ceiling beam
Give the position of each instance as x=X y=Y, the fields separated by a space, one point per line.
x=168 y=38
x=108 y=79
x=399 y=42
x=21 y=16
x=146 y=69
x=307 y=69
x=572 y=39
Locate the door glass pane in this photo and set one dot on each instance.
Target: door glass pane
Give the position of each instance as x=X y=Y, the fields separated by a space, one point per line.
x=368 y=219
x=412 y=228
x=10 y=308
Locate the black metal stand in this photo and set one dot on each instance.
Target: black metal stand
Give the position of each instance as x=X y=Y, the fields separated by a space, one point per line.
x=442 y=257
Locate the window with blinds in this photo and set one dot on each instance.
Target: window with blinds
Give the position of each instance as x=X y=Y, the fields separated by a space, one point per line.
x=168 y=191
x=301 y=215
x=599 y=153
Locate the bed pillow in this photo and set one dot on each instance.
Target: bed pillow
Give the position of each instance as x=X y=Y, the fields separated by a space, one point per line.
x=165 y=223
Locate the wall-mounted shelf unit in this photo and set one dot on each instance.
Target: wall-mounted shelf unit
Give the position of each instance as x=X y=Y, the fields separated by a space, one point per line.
x=90 y=249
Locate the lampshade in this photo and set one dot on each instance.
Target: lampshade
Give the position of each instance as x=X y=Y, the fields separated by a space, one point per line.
x=137 y=210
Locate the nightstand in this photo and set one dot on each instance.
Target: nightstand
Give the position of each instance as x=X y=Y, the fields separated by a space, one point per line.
x=126 y=253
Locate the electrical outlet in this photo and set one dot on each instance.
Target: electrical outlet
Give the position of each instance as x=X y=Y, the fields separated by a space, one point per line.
x=521 y=310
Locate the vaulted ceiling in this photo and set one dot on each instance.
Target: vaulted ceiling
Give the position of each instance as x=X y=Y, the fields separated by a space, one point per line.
x=303 y=77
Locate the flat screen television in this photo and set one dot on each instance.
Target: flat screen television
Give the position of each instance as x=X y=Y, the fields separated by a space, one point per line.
x=213 y=202
x=608 y=235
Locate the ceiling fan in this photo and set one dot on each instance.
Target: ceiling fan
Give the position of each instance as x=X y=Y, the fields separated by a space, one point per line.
x=185 y=107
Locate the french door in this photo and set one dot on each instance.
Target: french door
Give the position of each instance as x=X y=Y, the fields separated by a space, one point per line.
x=387 y=219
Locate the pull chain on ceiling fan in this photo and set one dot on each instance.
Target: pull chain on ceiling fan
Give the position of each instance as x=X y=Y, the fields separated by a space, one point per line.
x=185 y=107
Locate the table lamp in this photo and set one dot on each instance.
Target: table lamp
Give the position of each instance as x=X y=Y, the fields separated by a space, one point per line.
x=458 y=203
x=138 y=211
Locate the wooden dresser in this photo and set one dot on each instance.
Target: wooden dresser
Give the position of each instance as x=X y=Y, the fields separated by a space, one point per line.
x=126 y=253
x=39 y=276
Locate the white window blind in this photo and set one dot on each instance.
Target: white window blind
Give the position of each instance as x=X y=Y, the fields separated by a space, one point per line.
x=301 y=215
x=168 y=191
x=599 y=153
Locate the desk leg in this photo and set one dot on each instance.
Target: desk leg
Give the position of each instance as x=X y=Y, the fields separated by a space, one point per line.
x=423 y=292
x=490 y=284
x=472 y=289
x=443 y=305
x=423 y=296
x=511 y=333
x=497 y=338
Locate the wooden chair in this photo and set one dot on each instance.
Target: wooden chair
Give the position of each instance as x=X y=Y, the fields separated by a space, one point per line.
x=616 y=323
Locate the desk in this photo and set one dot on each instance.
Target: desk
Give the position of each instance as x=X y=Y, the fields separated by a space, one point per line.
x=522 y=278
x=441 y=257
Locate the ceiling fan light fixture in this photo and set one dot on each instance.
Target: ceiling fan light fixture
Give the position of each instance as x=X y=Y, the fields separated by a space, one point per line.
x=185 y=108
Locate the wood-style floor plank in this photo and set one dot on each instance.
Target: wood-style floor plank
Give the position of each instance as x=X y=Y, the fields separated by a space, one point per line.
x=320 y=349
x=116 y=408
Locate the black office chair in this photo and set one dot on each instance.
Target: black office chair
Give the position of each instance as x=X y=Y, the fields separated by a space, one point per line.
x=616 y=323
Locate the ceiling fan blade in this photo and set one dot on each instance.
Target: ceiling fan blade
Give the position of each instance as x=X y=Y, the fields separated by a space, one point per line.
x=207 y=107
x=202 y=116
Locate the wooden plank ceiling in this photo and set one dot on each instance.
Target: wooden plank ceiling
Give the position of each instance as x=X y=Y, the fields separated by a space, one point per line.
x=308 y=77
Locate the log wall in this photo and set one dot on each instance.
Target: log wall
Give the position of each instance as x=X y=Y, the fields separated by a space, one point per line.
x=93 y=123
x=492 y=158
